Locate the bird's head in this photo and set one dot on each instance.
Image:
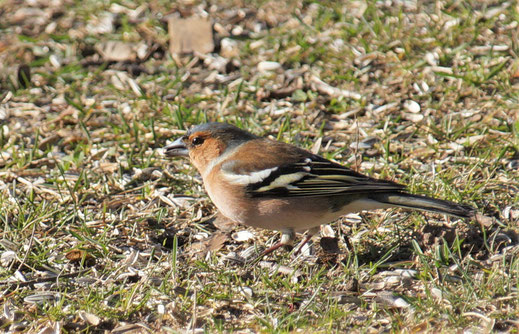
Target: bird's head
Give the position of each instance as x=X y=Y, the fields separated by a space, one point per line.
x=205 y=143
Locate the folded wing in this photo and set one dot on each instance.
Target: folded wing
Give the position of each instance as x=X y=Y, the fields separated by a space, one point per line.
x=315 y=176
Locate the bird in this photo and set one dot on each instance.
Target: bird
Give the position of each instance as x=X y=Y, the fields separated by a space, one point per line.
x=268 y=184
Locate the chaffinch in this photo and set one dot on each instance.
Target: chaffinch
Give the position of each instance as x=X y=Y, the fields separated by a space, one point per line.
x=277 y=186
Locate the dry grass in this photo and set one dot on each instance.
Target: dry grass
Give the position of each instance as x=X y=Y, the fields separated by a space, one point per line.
x=102 y=233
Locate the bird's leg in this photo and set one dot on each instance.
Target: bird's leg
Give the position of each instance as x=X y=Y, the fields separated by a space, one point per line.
x=287 y=238
x=309 y=234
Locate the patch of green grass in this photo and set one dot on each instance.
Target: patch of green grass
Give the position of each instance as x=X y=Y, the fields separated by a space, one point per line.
x=85 y=192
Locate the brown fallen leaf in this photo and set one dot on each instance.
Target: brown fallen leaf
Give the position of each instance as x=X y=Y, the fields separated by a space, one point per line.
x=77 y=255
x=211 y=244
x=216 y=241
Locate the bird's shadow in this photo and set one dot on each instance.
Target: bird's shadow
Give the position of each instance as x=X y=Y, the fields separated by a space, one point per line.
x=441 y=243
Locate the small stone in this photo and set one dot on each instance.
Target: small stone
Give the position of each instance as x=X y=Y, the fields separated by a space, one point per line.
x=415 y=118
x=237 y=31
x=432 y=58
x=412 y=106
x=51 y=27
x=390 y=299
x=246 y=291
x=161 y=309
x=266 y=66
x=4 y=130
x=54 y=60
x=242 y=236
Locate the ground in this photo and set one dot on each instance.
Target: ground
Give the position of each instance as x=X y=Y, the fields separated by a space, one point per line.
x=100 y=232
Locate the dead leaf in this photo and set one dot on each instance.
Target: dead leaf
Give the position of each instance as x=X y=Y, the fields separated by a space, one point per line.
x=77 y=255
x=211 y=244
x=217 y=241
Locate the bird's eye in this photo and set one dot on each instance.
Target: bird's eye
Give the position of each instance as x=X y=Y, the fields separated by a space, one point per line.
x=197 y=141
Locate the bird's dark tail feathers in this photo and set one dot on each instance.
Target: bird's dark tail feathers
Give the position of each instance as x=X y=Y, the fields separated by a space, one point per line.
x=405 y=200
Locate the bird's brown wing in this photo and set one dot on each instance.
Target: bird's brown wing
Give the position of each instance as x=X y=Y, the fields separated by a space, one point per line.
x=316 y=176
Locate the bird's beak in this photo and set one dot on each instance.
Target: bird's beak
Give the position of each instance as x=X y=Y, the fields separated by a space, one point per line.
x=176 y=149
